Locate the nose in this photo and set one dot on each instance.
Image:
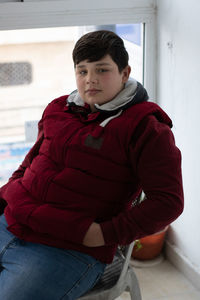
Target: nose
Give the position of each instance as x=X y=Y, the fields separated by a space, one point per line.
x=92 y=78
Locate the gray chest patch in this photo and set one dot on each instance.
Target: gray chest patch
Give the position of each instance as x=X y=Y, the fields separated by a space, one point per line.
x=92 y=142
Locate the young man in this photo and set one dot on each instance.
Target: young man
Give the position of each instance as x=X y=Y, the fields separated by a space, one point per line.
x=74 y=198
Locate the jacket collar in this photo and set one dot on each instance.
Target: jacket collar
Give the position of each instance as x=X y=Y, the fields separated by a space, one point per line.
x=132 y=93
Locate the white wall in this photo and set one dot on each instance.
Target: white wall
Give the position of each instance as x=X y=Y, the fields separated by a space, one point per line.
x=179 y=94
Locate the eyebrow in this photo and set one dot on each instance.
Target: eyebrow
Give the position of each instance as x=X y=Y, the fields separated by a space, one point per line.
x=98 y=65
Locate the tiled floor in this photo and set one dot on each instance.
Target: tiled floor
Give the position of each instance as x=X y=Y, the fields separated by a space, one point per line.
x=163 y=282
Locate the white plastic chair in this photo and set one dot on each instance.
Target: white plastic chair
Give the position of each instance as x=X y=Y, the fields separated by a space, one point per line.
x=118 y=277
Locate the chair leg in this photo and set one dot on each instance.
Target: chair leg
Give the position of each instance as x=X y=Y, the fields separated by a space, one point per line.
x=133 y=287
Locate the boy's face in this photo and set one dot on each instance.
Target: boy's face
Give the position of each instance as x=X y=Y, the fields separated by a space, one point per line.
x=100 y=81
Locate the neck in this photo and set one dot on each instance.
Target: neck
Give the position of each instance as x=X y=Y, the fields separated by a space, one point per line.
x=93 y=108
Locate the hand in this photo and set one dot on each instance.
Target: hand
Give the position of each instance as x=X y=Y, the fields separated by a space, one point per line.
x=94 y=236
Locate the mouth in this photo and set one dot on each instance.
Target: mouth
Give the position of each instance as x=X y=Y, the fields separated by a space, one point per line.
x=92 y=91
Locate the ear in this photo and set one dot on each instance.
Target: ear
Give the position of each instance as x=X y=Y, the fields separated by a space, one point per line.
x=125 y=73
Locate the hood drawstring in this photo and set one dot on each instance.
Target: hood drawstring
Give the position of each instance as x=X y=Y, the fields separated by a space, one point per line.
x=106 y=121
x=99 y=130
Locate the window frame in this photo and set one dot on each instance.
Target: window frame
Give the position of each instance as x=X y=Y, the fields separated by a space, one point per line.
x=42 y=13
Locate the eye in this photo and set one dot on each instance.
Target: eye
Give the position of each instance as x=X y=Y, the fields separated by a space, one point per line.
x=82 y=72
x=101 y=70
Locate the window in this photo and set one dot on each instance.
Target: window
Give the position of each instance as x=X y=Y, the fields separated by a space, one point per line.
x=27 y=87
x=47 y=71
x=50 y=64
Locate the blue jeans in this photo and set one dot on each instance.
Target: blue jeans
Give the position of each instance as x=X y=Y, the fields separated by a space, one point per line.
x=30 y=271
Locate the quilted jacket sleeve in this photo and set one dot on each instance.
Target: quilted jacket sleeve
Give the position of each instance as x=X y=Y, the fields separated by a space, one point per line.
x=156 y=161
x=20 y=171
x=44 y=218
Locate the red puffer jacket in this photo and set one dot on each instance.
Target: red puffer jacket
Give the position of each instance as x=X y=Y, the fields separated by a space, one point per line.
x=79 y=172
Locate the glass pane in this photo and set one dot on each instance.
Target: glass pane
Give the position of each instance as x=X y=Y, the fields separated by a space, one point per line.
x=35 y=67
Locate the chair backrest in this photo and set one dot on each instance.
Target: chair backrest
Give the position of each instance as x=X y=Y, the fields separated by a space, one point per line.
x=118 y=277
x=127 y=251
x=117 y=270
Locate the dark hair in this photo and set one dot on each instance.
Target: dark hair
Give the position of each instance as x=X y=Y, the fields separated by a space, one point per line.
x=95 y=45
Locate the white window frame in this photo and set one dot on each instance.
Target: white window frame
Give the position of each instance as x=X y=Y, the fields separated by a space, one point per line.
x=52 y=13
